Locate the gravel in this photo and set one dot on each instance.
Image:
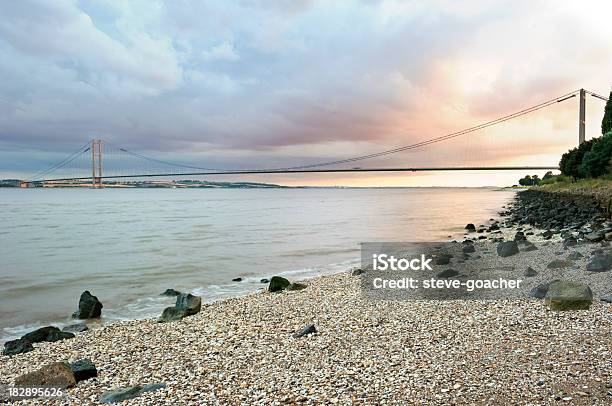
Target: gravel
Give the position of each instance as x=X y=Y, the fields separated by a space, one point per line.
x=242 y=351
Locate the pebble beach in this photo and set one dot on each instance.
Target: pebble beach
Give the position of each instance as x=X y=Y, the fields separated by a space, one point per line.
x=243 y=351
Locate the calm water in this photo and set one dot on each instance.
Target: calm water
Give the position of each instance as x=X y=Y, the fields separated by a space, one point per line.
x=127 y=246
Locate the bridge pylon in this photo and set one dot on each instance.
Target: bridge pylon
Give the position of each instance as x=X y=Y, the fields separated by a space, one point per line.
x=96 y=163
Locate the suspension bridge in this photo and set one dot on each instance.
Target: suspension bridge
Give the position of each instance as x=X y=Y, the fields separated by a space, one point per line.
x=98 y=161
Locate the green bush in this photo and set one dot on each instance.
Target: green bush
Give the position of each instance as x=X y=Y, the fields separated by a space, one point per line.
x=598 y=161
x=548 y=180
x=571 y=161
x=606 y=123
x=530 y=180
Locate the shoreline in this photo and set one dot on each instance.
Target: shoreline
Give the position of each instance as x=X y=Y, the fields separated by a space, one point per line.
x=242 y=349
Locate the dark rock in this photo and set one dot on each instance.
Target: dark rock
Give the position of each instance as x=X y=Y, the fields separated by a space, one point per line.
x=15 y=347
x=89 y=307
x=237 y=279
x=569 y=242
x=530 y=272
x=447 y=273
x=567 y=295
x=48 y=333
x=607 y=298
x=57 y=374
x=296 y=286
x=170 y=292
x=442 y=259
x=600 y=262
x=264 y=280
x=559 y=263
x=83 y=369
x=469 y=248
x=189 y=303
x=519 y=236
x=357 y=272
x=119 y=395
x=278 y=283
x=547 y=234
x=172 y=314
x=507 y=248
x=539 y=292
x=309 y=329
x=470 y=227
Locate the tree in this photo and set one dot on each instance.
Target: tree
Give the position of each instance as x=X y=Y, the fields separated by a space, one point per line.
x=571 y=161
x=548 y=175
x=606 y=123
x=598 y=161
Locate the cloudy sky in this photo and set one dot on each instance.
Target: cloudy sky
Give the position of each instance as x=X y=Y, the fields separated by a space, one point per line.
x=235 y=84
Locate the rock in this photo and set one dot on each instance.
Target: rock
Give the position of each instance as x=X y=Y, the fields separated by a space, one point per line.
x=309 y=329
x=170 y=292
x=89 y=307
x=608 y=236
x=607 y=298
x=569 y=242
x=575 y=255
x=567 y=295
x=442 y=259
x=264 y=280
x=172 y=314
x=519 y=236
x=83 y=369
x=278 y=283
x=540 y=291
x=595 y=236
x=239 y=279
x=530 y=272
x=559 y=263
x=507 y=248
x=447 y=273
x=469 y=248
x=57 y=374
x=15 y=347
x=357 y=272
x=48 y=333
x=119 y=395
x=547 y=234
x=76 y=328
x=470 y=227
x=600 y=262
x=296 y=286
x=189 y=303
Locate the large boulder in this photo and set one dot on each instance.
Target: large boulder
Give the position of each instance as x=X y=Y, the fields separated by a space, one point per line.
x=186 y=305
x=172 y=314
x=568 y=295
x=57 y=374
x=507 y=248
x=470 y=227
x=119 y=395
x=278 y=283
x=600 y=262
x=83 y=369
x=89 y=307
x=48 y=333
x=189 y=303
x=19 y=346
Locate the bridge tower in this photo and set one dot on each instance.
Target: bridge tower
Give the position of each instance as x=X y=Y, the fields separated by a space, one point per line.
x=582 y=117
x=96 y=163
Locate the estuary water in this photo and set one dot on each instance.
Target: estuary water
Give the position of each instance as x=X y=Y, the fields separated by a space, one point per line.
x=127 y=246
